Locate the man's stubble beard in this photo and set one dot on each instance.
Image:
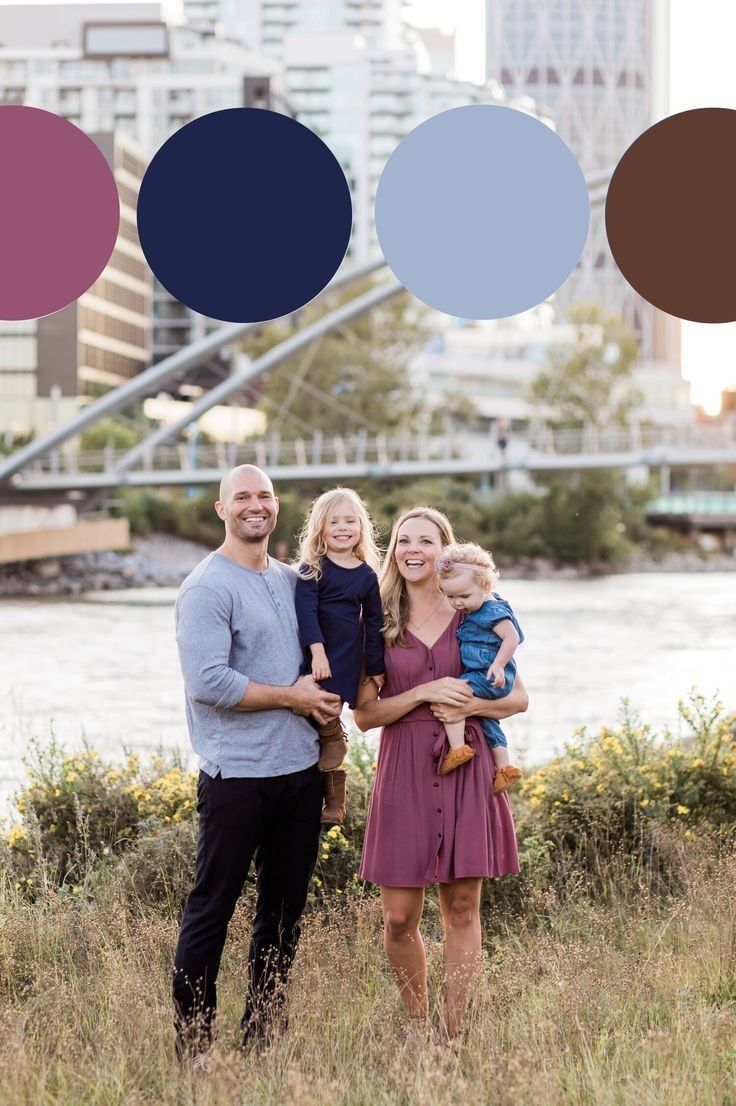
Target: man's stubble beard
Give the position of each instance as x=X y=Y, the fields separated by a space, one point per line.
x=252 y=539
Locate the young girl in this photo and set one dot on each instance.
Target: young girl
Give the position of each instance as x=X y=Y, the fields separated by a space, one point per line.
x=338 y=608
x=488 y=637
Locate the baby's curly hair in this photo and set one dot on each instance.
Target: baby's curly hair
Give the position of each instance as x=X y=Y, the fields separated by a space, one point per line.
x=465 y=556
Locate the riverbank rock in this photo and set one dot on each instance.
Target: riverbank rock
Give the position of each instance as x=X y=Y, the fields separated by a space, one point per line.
x=160 y=560
x=155 y=561
x=691 y=560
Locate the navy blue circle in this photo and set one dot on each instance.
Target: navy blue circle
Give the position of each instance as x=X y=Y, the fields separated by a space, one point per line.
x=244 y=215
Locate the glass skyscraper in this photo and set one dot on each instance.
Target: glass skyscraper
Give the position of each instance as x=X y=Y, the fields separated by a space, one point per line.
x=601 y=67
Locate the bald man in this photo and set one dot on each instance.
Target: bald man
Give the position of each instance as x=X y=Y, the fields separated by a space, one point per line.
x=259 y=791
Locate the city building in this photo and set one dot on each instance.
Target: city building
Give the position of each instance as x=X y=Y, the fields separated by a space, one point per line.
x=491 y=364
x=267 y=24
x=488 y=364
x=357 y=75
x=601 y=67
x=362 y=98
x=97 y=342
x=135 y=69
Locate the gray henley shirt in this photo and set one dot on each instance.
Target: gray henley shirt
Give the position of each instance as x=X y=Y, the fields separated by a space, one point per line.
x=233 y=625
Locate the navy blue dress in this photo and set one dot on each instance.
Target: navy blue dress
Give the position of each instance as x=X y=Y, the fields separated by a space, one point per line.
x=342 y=610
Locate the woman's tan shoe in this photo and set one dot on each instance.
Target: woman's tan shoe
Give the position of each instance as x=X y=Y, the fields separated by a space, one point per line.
x=455 y=758
x=505 y=778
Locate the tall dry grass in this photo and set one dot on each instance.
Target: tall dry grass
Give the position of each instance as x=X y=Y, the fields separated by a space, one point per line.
x=627 y=999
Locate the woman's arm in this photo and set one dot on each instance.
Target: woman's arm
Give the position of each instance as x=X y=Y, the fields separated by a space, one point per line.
x=516 y=702
x=370 y=711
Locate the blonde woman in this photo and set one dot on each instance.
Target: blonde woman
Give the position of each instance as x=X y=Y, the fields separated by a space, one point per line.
x=338 y=608
x=424 y=828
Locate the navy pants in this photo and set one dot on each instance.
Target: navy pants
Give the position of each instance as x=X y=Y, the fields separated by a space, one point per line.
x=275 y=819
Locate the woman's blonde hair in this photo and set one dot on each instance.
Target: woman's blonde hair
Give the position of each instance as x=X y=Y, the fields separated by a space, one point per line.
x=393 y=585
x=312 y=544
x=465 y=556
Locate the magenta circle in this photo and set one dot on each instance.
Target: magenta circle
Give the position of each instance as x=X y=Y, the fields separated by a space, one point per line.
x=59 y=212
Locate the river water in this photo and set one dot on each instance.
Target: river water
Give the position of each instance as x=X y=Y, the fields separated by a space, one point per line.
x=103 y=668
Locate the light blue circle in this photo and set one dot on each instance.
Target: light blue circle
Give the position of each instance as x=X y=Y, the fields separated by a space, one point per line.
x=482 y=211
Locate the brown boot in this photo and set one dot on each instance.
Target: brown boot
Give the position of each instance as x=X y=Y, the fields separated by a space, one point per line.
x=336 y=793
x=333 y=742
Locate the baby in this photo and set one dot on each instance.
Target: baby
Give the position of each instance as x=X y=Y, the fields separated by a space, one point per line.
x=488 y=635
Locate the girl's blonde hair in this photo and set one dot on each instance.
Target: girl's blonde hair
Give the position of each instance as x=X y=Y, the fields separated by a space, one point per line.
x=393 y=585
x=468 y=557
x=312 y=544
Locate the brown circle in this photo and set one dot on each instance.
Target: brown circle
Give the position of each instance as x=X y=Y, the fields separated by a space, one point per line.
x=671 y=215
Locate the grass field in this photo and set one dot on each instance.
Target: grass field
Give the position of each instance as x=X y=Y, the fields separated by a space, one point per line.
x=609 y=963
x=584 y=1002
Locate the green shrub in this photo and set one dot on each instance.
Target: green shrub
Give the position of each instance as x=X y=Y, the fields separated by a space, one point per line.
x=158 y=869
x=615 y=794
x=594 y=518
x=79 y=812
x=82 y=819
x=118 y=433
x=338 y=859
x=611 y=814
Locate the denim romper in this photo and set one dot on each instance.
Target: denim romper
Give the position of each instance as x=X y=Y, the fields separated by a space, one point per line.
x=478 y=648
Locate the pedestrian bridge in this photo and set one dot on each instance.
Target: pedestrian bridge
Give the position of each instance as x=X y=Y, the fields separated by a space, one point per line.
x=324 y=458
x=695 y=510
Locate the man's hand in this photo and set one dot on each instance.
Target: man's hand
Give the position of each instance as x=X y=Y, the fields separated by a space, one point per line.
x=307 y=697
x=379 y=681
x=320 y=664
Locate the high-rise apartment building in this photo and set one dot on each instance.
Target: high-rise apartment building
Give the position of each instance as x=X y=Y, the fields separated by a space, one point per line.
x=601 y=67
x=362 y=99
x=131 y=68
x=267 y=24
x=354 y=73
x=97 y=342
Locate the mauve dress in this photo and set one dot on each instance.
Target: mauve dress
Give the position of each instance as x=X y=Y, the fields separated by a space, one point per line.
x=424 y=828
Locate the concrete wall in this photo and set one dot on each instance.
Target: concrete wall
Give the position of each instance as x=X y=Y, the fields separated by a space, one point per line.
x=82 y=537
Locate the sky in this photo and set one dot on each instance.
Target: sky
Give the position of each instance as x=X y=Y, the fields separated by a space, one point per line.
x=702 y=74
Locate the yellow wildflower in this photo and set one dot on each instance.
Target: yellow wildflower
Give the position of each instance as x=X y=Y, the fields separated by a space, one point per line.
x=17 y=837
x=682 y=809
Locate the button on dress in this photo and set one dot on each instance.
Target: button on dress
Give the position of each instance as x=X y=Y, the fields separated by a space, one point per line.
x=424 y=828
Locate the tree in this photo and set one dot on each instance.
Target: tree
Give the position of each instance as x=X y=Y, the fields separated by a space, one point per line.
x=353 y=379
x=588 y=382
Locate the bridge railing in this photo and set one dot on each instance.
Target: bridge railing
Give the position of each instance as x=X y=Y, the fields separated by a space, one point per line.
x=385 y=449
x=264 y=452
x=630 y=439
